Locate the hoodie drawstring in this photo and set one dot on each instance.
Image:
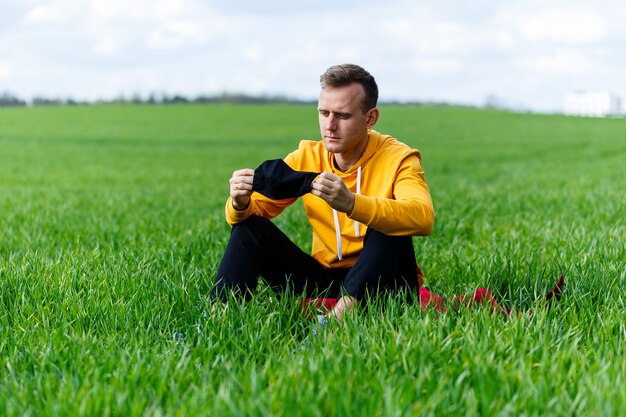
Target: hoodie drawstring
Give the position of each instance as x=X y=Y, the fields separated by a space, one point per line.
x=356 y=224
x=358 y=191
x=337 y=235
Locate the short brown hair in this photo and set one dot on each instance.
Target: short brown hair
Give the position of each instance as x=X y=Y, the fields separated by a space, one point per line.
x=346 y=74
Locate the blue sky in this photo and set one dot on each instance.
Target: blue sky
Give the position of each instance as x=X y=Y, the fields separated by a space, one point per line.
x=527 y=53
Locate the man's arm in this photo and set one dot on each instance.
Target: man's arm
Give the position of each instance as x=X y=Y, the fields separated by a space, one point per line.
x=409 y=213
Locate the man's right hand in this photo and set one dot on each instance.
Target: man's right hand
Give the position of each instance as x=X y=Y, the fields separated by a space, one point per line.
x=241 y=188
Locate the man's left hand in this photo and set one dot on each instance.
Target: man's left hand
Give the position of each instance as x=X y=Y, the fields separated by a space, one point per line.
x=331 y=188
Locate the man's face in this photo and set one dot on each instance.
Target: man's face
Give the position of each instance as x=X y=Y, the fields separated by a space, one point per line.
x=343 y=124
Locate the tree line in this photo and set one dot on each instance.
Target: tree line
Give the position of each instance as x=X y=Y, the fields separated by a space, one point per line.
x=10 y=100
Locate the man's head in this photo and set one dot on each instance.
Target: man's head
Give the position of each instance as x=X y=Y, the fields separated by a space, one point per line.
x=346 y=74
x=347 y=109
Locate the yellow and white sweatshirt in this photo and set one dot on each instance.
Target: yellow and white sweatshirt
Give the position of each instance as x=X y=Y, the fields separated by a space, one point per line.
x=391 y=196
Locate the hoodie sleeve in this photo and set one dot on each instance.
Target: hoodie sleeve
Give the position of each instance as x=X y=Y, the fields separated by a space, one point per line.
x=259 y=206
x=409 y=213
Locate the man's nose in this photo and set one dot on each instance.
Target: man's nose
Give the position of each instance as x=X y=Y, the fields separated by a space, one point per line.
x=331 y=123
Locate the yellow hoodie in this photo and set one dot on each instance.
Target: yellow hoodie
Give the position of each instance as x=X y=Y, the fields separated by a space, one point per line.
x=391 y=196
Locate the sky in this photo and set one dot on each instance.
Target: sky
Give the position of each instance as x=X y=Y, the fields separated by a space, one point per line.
x=527 y=54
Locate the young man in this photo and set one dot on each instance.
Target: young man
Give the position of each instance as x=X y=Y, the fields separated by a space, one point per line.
x=368 y=200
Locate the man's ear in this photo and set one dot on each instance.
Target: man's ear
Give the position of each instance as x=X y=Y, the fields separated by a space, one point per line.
x=371 y=117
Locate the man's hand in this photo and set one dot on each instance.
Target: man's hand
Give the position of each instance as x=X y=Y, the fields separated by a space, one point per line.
x=331 y=188
x=344 y=305
x=241 y=188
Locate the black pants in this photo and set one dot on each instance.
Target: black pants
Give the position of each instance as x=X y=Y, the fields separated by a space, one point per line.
x=257 y=247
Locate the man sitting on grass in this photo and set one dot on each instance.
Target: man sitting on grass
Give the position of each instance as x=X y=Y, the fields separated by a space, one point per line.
x=368 y=197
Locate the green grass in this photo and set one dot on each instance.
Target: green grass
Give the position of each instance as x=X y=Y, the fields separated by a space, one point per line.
x=112 y=227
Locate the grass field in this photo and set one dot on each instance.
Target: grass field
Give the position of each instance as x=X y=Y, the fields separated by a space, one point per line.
x=112 y=227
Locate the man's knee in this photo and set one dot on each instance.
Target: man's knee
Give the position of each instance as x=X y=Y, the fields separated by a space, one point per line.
x=387 y=257
x=253 y=226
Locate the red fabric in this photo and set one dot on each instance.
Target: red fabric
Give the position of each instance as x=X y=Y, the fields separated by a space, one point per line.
x=557 y=291
x=481 y=296
x=310 y=305
x=430 y=301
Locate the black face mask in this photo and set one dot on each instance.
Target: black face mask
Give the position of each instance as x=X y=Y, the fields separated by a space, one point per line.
x=276 y=180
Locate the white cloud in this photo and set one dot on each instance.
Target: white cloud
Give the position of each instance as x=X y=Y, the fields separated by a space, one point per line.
x=253 y=53
x=560 y=62
x=42 y=14
x=176 y=33
x=254 y=83
x=107 y=45
x=5 y=71
x=434 y=66
x=563 y=26
x=136 y=10
x=151 y=80
x=503 y=39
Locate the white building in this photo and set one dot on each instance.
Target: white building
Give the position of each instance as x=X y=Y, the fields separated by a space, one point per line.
x=597 y=104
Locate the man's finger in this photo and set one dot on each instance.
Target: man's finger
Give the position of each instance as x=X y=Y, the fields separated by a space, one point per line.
x=325 y=182
x=240 y=186
x=322 y=187
x=246 y=172
x=241 y=180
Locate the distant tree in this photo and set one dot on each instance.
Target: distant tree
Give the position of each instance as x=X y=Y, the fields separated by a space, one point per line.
x=43 y=101
x=175 y=99
x=8 y=99
x=136 y=99
x=71 y=102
